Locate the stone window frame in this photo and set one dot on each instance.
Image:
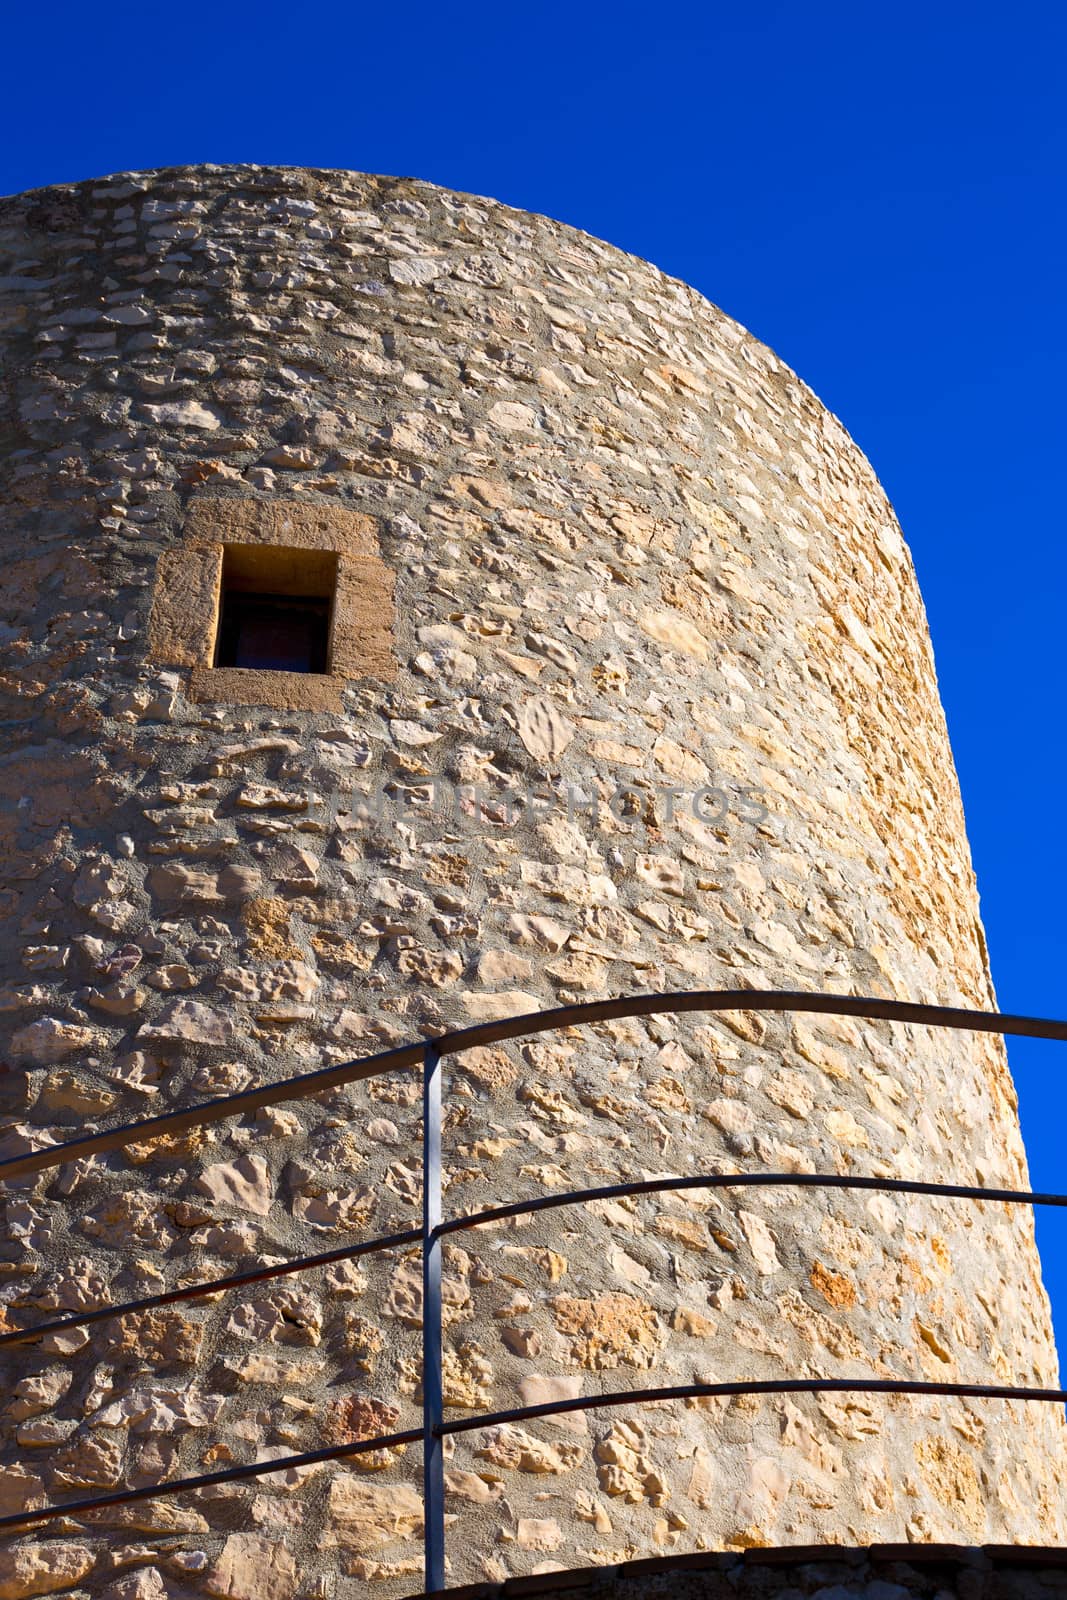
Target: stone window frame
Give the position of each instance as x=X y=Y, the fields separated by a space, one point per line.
x=185 y=604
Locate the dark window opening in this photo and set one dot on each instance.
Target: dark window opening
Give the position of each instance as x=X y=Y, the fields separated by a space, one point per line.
x=275 y=609
x=273 y=632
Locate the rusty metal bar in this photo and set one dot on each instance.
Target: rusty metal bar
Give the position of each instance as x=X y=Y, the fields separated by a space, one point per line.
x=535 y=1022
x=197 y=1291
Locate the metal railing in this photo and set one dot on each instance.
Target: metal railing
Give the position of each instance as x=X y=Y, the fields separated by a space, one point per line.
x=435 y=1228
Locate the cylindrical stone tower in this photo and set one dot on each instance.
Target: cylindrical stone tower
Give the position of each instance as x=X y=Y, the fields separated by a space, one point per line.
x=415 y=612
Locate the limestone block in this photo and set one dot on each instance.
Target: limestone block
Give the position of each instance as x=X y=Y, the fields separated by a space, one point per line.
x=34 y=1569
x=252 y=1567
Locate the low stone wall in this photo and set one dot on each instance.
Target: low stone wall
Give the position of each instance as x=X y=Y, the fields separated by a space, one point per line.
x=811 y=1572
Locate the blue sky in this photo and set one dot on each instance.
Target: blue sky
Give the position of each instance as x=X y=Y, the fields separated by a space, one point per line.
x=876 y=191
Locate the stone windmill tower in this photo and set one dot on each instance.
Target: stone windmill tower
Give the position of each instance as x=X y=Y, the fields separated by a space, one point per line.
x=416 y=612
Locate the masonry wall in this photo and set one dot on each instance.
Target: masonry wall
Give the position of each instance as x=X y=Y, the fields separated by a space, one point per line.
x=631 y=690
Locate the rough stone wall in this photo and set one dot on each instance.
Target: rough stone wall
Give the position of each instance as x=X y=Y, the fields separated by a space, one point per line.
x=628 y=548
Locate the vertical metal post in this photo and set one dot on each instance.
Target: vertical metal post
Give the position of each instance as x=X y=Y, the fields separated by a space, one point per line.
x=433 y=1466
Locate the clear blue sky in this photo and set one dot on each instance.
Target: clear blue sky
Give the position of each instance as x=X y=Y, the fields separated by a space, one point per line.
x=876 y=191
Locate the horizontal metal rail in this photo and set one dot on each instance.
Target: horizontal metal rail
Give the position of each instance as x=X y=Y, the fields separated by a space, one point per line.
x=724 y=1391
x=485 y=1033
x=394 y=1241
x=208 y=1480
x=199 y=1291
x=745 y=1180
x=520 y=1208
x=491 y=1419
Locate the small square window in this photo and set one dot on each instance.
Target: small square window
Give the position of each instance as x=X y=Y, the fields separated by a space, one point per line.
x=275 y=609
